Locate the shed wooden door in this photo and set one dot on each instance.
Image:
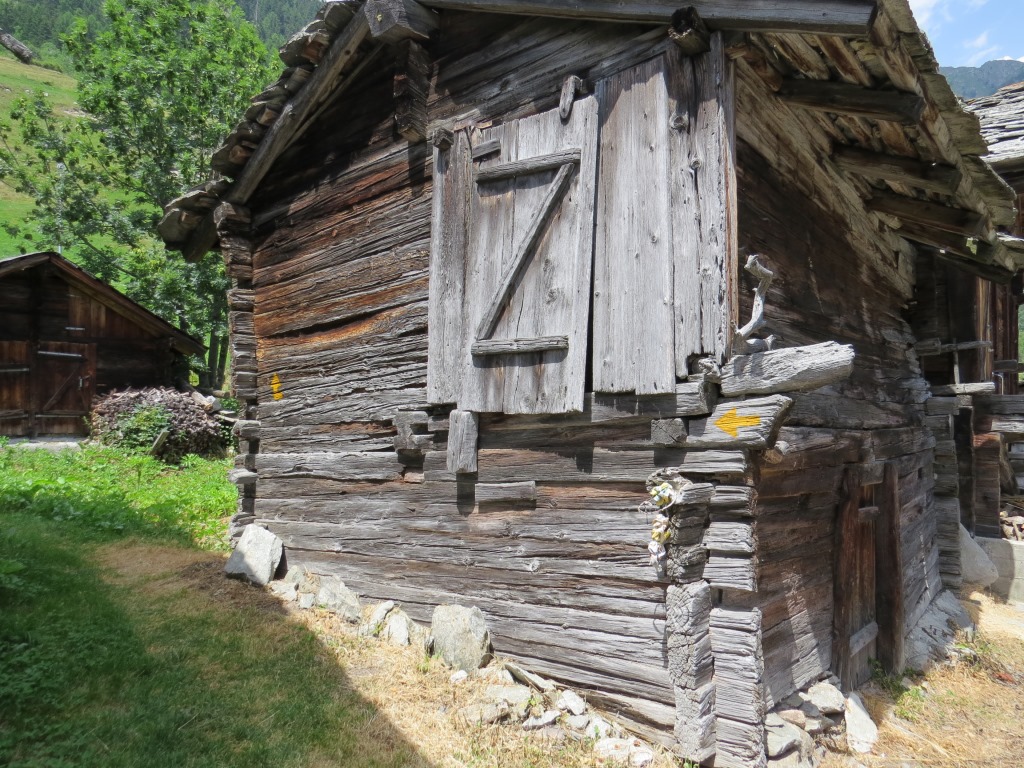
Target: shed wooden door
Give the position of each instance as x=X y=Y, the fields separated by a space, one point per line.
x=65 y=375
x=15 y=388
x=868 y=577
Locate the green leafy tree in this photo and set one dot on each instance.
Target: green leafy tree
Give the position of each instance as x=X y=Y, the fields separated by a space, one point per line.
x=160 y=86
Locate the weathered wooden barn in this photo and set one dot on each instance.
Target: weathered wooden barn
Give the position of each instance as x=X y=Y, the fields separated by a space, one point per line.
x=500 y=266
x=65 y=337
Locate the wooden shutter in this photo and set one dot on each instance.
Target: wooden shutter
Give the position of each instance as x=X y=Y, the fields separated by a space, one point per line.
x=665 y=254
x=510 y=265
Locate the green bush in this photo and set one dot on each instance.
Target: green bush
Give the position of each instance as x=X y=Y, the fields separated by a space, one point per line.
x=141 y=427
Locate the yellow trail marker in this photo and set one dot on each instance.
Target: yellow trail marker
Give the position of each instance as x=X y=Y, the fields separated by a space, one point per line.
x=275 y=387
x=731 y=422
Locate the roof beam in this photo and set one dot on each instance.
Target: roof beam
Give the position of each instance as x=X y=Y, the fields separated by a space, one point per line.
x=285 y=130
x=847 y=18
x=394 y=20
x=931 y=177
x=854 y=100
x=956 y=221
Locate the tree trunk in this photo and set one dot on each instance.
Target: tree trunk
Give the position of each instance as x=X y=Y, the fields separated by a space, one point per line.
x=15 y=46
x=222 y=362
x=212 y=358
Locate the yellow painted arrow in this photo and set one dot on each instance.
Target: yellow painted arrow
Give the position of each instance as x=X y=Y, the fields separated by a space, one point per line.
x=731 y=422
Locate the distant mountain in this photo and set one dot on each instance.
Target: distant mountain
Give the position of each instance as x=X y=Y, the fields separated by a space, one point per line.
x=972 y=82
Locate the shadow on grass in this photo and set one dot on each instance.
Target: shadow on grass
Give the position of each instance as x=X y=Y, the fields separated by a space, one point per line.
x=163 y=664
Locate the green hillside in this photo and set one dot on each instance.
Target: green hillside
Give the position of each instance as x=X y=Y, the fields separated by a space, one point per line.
x=17 y=79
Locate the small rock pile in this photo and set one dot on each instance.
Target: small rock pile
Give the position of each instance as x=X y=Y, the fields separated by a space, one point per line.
x=819 y=711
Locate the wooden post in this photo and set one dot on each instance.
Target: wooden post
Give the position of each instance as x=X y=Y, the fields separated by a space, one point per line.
x=412 y=81
x=689 y=32
x=889 y=575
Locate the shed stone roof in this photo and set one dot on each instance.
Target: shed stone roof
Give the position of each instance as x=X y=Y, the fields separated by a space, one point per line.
x=1002 y=125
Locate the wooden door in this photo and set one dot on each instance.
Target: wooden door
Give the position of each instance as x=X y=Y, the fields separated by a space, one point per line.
x=63 y=387
x=868 y=576
x=15 y=389
x=855 y=627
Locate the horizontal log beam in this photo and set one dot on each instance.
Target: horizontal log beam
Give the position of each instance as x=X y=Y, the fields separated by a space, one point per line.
x=931 y=177
x=956 y=221
x=848 y=18
x=391 y=21
x=854 y=100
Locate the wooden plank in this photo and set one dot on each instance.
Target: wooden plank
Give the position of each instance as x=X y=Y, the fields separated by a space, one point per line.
x=752 y=423
x=703 y=200
x=332 y=466
x=832 y=17
x=448 y=243
x=853 y=100
x=794 y=369
x=728 y=571
x=593 y=465
x=931 y=177
x=633 y=268
x=505 y=493
x=462 y=441
x=528 y=165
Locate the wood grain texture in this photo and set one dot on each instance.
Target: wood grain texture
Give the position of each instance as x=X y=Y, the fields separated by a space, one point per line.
x=448 y=244
x=795 y=369
x=836 y=18
x=549 y=295
x=633 y=252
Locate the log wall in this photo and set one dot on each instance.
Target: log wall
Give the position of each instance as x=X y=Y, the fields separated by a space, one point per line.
x=835 y=280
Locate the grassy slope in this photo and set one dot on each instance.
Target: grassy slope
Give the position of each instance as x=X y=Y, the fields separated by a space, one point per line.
x=16 y=80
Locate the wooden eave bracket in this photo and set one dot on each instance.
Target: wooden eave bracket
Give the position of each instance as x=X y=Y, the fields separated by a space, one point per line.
x=391 y=21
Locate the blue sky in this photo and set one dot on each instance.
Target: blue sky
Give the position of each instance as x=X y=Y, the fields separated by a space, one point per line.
x=967 y=33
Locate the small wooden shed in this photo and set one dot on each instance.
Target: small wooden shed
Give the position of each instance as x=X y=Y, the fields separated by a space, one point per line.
x=500 y=267
x=65 y=337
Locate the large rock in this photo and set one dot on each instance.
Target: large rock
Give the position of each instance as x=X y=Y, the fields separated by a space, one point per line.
x=335 y=597
x=975 y=564
x=781 y=737
x=256 y=557
x=861 y=732
x=399 y=629
x=461 y=636
x=826 y=697
x=373 y=624
x=935 y=632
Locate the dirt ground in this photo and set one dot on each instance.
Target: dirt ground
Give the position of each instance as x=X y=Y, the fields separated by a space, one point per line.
x=965 y=715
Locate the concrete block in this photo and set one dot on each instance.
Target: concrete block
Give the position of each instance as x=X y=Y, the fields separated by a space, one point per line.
x=1008 y=558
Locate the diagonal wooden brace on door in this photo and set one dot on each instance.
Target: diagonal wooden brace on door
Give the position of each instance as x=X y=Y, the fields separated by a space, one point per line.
x=566 y=162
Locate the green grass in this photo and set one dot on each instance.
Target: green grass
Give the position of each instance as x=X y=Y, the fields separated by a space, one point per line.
x=121 y=645
x=17 y=80
x=104 y=491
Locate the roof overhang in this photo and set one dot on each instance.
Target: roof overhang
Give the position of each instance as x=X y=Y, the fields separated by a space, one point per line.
x=812 y=55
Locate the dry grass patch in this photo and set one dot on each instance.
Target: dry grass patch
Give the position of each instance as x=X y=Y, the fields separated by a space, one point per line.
x=966 y=715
